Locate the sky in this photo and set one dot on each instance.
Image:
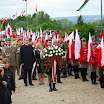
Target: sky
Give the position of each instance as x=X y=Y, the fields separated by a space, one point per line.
x=55 y=8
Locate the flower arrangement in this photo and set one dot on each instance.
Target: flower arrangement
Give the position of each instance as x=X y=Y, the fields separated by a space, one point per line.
x=50 y=54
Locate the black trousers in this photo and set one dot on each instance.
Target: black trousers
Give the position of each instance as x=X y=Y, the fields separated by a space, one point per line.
x=83 y=73
x=76 y=71
x=93 y=77
x=34 y=73
x=3 y=96
x=27 y=71
x=70 y=69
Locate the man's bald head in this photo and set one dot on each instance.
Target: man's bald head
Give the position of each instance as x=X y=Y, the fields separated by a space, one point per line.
x=55 y=42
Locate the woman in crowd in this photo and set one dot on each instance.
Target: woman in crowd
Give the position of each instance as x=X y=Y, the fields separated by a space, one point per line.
x=3 y=86
x=10 y=81
x=93 y=61
x=74 y=61
x=1 y=47
x=39 y=56
x=83 y=59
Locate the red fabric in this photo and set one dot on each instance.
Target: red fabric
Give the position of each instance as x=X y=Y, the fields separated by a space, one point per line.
x=101 y=35
x=99 y=58
x=72 y=53
x=67 y=53
x=83 y=54
x=46 y=45
x=94 y=57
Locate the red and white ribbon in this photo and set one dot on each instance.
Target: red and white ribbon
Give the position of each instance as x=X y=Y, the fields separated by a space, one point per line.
x=53 y=70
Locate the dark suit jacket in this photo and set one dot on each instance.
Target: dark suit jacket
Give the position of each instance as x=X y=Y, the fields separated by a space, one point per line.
x=37 y=56
x=27 y=56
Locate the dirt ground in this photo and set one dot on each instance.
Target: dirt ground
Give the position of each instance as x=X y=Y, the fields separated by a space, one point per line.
x=71 y=91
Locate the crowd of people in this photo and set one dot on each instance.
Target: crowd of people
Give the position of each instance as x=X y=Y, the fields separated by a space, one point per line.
x=25 y=56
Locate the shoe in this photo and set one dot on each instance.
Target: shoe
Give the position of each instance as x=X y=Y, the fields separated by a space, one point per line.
x=20 y=78
x=54 y=89
x=59 y=82
x=94 y=83
x=86 y=79
x=50 y=90
x=34 y=78
x=83 y=80
x=26 y=85
x=31 y=84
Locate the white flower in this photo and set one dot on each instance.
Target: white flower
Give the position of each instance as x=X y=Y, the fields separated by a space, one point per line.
x=46 y=55
x=52 y=48
x=56 y=47
x=59 y=54
x=43 y=56
x=56 y=51
x=51 y=55
x=49 y=48
x=56 y=54
x=50 y=52
x=53 y=51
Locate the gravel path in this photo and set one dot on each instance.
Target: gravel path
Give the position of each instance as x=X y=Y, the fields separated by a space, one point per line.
x=71 y=91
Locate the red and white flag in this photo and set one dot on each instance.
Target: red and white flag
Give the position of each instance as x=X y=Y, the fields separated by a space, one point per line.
x=70 y=43
x=77 y=45
x=8 y=31
x=14 y=15
x=89 y=47
x=102 y=52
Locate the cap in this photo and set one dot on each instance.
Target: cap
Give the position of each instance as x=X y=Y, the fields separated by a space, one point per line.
x=83 y=40
x=93 y=37
x=49 y=40
x=8 y=40
x=93 y=43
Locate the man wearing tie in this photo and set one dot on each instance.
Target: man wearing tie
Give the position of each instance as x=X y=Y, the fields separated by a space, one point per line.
x=10 y=53
x=27 y=59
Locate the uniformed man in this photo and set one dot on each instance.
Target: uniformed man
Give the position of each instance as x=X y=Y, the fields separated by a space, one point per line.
x=49 y=76
x=63 y=45
x=10 y=53
x=57 y=69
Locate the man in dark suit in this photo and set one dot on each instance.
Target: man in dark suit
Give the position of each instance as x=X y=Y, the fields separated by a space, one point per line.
x=27 y=59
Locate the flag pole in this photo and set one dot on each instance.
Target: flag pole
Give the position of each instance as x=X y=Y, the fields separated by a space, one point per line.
x=26 y=14
x=17 y=20
x=36 y=20
x=101 y=18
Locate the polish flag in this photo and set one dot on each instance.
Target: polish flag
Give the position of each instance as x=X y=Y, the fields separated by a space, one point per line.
x=77 y=45
x=89 y=47
x=8 y=31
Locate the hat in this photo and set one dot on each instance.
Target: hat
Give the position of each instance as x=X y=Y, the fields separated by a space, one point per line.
x=8 y=40
x=49 y=40
x=44 y=32
x=19 y=40
x=93 y=43
x=93 y=37
x=30 y=39
x=83 y=40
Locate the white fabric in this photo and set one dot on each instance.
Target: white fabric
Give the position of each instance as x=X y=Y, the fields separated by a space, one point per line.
x=71 y=37
x=89 y=47
x=102 y=50
x=77 y=45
